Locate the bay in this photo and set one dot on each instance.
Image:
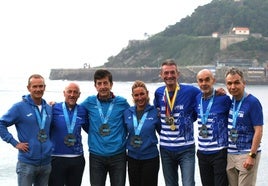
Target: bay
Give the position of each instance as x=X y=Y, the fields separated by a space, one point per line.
x=13 y=87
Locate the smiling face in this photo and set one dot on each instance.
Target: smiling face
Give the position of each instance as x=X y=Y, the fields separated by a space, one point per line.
x=205 y=80
x=36 y=86
x=104 y=87
x=140 y=94
x=71 y=94
x=140 y=97
x=170 y=75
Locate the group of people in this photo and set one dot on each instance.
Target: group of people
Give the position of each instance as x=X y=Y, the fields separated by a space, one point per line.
x=124 y=138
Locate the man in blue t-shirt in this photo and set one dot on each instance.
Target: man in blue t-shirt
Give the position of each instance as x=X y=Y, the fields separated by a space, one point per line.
x=69 y=118
x=176 y=103
x=212 y=122
x=245 y=126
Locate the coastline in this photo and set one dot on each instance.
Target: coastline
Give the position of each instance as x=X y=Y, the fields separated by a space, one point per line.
x=253 y=76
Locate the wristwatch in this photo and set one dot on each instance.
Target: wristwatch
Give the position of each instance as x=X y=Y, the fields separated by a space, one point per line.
x=253 y=155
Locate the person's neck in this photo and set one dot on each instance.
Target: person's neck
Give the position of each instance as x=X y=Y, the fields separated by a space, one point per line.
x=171 y=88
x=37 y=101
x=208 y=94
x=140 y=108
x=239 y=97
x=104 y=98
x=69 y=106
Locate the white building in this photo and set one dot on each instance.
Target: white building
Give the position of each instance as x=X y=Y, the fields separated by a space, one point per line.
x=241 y=30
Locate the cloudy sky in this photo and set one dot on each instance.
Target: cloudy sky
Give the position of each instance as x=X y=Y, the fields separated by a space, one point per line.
x=68 y=33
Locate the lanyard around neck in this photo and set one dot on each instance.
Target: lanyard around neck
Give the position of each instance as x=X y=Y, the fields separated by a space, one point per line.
x=138 y=125
x=204 y=117
x=70 y=126
x=41 y=120
x=104 y=120
x=236 y=111
x=170 y=103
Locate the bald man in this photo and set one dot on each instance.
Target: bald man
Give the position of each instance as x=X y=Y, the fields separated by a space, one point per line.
x=212 y=122
x=68 y=160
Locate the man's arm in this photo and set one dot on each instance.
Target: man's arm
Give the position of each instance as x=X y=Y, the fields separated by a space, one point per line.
x=250 y=161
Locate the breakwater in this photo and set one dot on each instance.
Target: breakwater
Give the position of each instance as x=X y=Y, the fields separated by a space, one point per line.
x=119 y=74
x=187 y=74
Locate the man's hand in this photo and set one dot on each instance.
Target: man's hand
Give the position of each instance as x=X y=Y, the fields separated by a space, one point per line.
x=220 y=92
x=23 y=147
x=249 y=163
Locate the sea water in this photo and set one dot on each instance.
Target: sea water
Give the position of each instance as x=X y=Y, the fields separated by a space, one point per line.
x=12 y=88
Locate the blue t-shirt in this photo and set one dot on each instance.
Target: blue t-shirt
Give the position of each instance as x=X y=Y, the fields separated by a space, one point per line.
x=184 y=116
x=250 y=114
x=59 y=130
x=216 y=124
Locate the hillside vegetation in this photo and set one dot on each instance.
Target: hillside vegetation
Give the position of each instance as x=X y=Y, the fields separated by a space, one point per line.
x=189 y=41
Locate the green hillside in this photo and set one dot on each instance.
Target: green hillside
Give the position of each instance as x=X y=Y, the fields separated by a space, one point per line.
x=190 y=40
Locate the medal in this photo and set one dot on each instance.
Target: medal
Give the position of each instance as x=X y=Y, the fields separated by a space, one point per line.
x=169 y=107
x=104 y=130
x=233 y=135
x=173 y=127
x=42 y=136
x=170 y=120
x=69 y=140
x=136 y=141
x=203 y=131
x=167 y=120
x=233 y=132
x=41 y=119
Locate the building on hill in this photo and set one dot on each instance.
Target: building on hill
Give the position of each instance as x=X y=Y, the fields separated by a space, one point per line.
x=241 y=31
x=236 y=35
x=215 y=34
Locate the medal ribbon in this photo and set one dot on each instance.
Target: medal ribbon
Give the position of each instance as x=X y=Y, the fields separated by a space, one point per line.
x=105 y=119
x=171 y=103
x=236 y=111
x=204 y=117
x=70 y=126
x=138 y=126
x=41 y=121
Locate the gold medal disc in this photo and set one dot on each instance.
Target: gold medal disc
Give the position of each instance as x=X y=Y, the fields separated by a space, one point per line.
x=172 y=127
